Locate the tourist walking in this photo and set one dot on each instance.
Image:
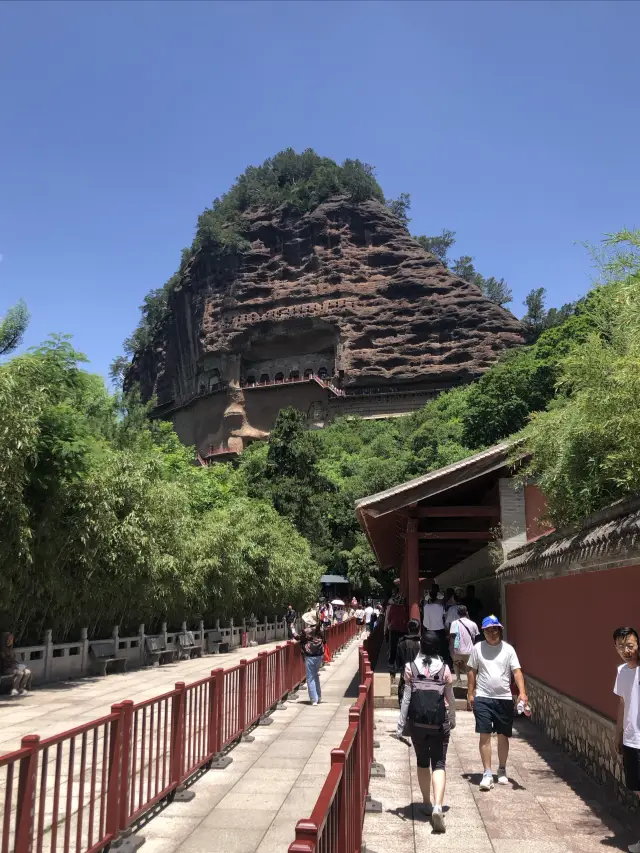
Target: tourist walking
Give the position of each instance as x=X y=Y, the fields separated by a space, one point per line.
x=473 y=604
x=490 y=667
x=462 y=636
x=428 y=683
x=290 y=618
x=312 y=647
x=359 y=612
x=627 y=687
x=395 y=627
x=450 y=608
x=408 y=649
x=433 y=618
x=368 y=615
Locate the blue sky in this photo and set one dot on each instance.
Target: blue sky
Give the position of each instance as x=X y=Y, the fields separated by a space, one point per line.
x=514 y=124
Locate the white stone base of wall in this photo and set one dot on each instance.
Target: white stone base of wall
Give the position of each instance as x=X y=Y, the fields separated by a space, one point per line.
x=588 y=737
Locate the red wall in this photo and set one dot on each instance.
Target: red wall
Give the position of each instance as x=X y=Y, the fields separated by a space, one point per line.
x=561 y=628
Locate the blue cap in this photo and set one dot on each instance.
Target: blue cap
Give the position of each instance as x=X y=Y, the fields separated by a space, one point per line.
x=491 y=622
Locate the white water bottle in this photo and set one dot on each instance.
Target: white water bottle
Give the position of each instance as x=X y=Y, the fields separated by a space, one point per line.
x=523 y=709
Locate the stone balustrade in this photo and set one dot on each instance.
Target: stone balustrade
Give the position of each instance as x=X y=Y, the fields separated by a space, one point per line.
x=60 y=661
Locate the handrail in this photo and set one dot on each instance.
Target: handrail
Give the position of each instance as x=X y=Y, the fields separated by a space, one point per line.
x=335 y=825
x=79 y=790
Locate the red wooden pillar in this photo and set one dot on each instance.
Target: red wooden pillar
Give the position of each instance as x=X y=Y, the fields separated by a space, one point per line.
x=404 y=586
x=412 y=559
x=24 y=820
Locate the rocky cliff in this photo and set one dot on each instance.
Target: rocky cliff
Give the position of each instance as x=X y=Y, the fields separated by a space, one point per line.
x=344 y=286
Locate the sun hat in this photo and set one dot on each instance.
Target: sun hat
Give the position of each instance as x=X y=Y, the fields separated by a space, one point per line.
x=310 y=619
x=491 y=622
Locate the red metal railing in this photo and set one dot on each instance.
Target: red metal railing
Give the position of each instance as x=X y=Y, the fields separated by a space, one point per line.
x=78 y=791
x=335 y=825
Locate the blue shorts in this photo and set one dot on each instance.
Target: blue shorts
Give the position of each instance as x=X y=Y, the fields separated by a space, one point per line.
x=493 y=716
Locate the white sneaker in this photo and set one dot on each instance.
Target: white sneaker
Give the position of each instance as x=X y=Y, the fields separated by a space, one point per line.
x=503 y=779
x=437 y=819
x=487 y=781
x=14 y=693
x=634 y=848
x=314 y=703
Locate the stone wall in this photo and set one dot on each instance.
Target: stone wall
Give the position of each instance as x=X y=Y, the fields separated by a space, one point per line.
x=588 y=737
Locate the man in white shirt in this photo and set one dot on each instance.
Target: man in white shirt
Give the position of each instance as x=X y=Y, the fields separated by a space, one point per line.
x=433 y=611
x=368 y=613
x=491 y=665
x=433 y=620
x=627 y=687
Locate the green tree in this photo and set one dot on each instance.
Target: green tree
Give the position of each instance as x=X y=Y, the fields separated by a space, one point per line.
x=438 y=245
x=13 y=326
x=400 y=207
x=534 y=319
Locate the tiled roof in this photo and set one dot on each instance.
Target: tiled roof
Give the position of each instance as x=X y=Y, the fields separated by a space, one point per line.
x=613 y=532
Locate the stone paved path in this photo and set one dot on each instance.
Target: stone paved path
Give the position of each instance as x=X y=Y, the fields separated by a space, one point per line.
x=53 y=708
x=550 y=807
x=256 y=802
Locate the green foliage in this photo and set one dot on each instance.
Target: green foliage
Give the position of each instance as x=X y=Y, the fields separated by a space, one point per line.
x=538 y=318
x=400 y=207
x=586 y=447
x=494 y=289
x=106 y=520
x=13 y=326
x=439 y=245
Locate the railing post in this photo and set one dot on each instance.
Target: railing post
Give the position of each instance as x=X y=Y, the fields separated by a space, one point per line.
x=338 y=756
x=216 y=712
x=306 y=837
x=262 y=682
x=176 y=762
x=262 y=689
x=25 y=807
x=125 y=762
x=219 y=733
x=279 y=682
x=357 y=799
x=84 y=666
x=112 y=824
x=48 y=654
x=212 y=715
x=242 y=695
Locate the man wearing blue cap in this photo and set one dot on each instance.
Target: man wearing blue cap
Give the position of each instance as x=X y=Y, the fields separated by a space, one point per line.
x=490 y=667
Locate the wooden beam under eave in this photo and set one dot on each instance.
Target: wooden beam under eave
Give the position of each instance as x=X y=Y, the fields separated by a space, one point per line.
x=458 y=512
x=478 y=535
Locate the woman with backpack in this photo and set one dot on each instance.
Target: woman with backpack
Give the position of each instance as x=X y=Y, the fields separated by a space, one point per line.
x=428 y=683
x=312 y=647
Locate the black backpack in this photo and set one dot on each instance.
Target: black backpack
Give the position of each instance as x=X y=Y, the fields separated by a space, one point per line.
x=427 y=707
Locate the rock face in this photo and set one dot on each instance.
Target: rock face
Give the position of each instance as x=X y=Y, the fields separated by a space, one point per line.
x=341 y=297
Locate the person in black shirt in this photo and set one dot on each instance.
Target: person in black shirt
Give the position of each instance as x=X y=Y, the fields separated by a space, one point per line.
x=473 y=604
x=290 y=618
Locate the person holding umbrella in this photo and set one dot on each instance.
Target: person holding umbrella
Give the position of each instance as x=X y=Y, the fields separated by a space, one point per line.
x=338 y=609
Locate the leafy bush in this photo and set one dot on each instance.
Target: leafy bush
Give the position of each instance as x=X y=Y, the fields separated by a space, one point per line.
x=586 y=447
x=105 y=519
